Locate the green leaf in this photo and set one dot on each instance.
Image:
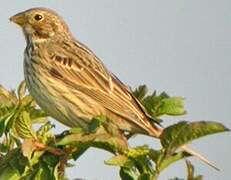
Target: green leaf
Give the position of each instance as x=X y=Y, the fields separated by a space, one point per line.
x=162 y=104
x=120 y=160
x=38 y=115
x=23 y=126
x=146 y=176
x=100 y=139
x=2 y=127
x=43 y=173
x=12 y=164
x=50 y=159
x=75 y=139
x=96 y=123
x=155 y=154
x=138 y=151
x=44 y=133
x=128 y=174
x=172 y=106
x=140 y=92
x=140 y=155
x=76 y=130
x=172 y=159
x=153 y=103
x=8 y=119
x=183 y=132
x=80 y=150
x=9 y=173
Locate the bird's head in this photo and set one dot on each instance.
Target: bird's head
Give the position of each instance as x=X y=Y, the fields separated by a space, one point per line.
x=41 y=24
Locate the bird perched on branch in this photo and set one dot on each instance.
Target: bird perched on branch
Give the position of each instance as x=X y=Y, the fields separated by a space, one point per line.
x=71 y=84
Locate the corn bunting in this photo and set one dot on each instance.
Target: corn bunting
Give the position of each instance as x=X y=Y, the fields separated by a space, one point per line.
x=71 y=84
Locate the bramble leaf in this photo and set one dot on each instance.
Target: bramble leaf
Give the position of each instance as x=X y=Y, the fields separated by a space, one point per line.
x=183 y=132
x=172 y=106
x=95 y=123
x=140 y=92
x=23 y=126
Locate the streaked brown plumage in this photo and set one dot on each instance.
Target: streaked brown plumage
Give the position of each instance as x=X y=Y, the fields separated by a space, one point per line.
x=71 y=84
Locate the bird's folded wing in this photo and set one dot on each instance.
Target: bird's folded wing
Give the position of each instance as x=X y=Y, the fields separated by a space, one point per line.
x=85 y=73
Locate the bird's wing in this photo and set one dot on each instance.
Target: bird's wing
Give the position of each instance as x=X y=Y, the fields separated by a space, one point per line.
x=80 y=69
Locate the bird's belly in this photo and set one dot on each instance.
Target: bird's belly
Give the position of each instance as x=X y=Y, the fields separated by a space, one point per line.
x=66 y=105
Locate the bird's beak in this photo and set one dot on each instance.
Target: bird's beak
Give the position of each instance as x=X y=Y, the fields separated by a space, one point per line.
x=19 y=19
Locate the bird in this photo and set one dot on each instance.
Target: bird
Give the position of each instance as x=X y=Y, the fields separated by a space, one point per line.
x=72 y=85
x=69 y=81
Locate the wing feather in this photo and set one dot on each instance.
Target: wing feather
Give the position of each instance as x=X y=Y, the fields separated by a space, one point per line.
x=87 y=74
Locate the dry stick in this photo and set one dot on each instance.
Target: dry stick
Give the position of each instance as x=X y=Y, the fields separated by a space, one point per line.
x=199 y=156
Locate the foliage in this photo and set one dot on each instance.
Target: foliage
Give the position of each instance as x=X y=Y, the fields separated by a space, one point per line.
x=26 y=153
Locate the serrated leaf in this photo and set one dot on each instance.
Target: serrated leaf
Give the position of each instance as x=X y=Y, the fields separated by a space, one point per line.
x=120 y=160
x=172 y=106
x=183 y=132
x=23 y=126
x=152 y=103
x=140 y=92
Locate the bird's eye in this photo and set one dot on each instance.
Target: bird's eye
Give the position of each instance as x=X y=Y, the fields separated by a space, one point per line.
x=38 y=17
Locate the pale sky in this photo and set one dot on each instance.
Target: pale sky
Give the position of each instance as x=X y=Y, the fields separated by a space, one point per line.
x=182 y=47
